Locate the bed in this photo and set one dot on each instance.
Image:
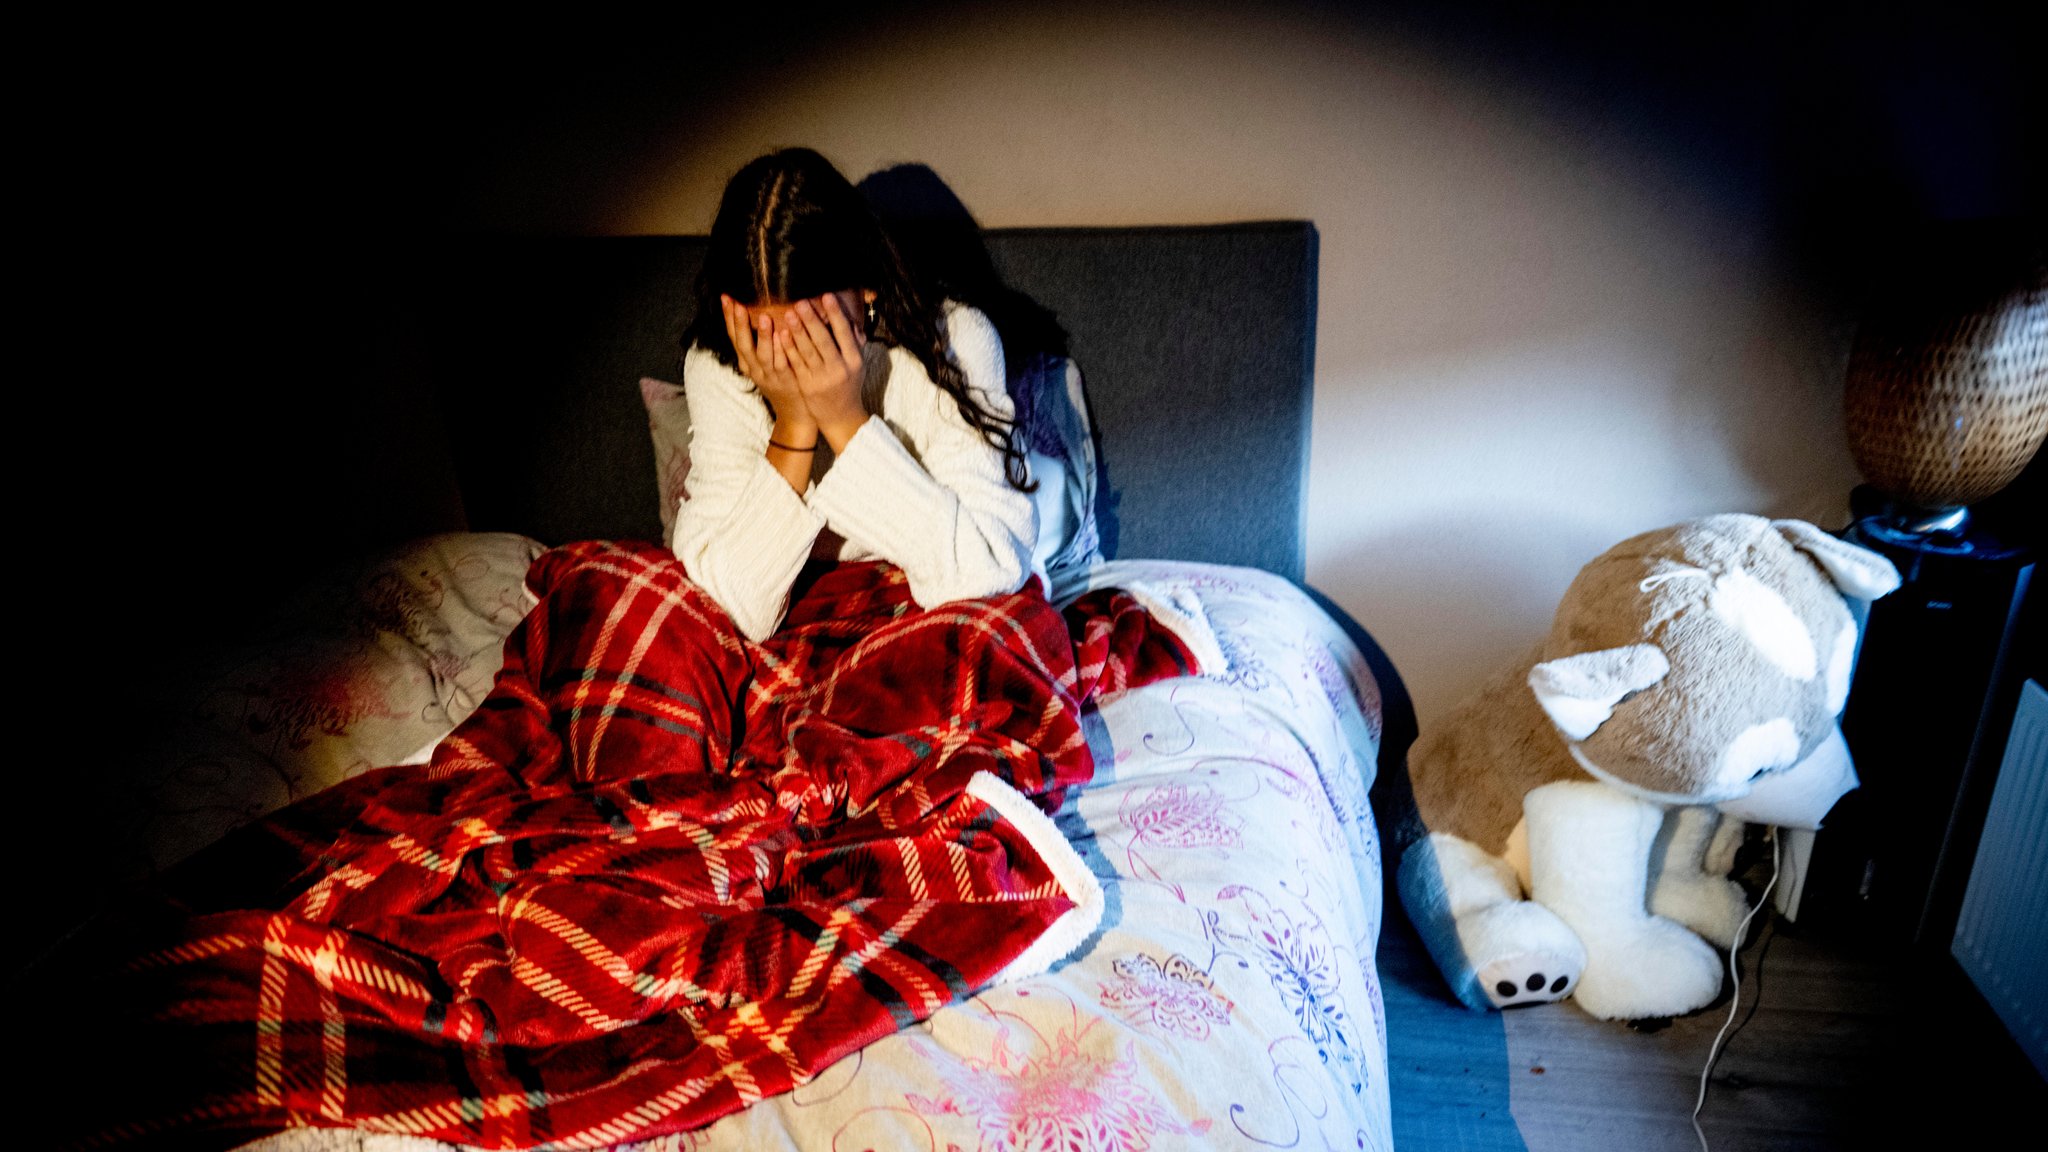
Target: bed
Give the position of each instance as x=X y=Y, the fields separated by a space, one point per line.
x=1227 y=995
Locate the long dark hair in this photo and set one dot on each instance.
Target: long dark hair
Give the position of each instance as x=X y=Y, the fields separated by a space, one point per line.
x=790 y=227
x=942 y=245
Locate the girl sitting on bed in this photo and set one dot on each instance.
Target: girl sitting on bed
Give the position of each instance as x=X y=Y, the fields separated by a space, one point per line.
x=837 y=411
x=642 y=794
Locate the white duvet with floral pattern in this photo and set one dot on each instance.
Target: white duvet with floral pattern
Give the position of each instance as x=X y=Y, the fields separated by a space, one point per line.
x=1229 y=999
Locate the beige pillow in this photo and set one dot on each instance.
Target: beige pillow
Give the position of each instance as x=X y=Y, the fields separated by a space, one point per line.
x=368 y=666
x=668 y=420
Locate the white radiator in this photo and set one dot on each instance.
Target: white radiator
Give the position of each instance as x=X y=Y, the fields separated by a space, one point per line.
x=2002 y=934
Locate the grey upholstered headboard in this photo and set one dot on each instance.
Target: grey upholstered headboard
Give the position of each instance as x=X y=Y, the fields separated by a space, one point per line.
x=1197 y=345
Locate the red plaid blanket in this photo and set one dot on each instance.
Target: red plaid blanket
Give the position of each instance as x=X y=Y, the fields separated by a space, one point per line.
x=660 y=874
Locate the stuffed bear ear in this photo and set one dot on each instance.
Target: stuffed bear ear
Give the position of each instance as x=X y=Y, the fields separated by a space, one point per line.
x=1856 y=570
x=1579 y=692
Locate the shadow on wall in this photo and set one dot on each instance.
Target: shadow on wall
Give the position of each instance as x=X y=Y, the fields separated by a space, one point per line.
x=941 y=242
x=1776 y=418
x=943 y=245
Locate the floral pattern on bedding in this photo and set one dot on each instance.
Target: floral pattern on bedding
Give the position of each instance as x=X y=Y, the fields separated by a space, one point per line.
x=1229 y=999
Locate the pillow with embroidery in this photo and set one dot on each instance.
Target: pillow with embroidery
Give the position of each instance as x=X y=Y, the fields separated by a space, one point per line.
x=367 y=666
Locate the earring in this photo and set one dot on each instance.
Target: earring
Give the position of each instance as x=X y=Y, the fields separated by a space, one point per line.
x=871 y=316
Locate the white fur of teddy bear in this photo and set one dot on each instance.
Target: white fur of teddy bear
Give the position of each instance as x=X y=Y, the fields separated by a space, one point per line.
x=1576 y=820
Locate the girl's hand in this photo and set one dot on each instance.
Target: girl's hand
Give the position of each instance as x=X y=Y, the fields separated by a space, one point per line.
x=761 y=361
x=826 y=353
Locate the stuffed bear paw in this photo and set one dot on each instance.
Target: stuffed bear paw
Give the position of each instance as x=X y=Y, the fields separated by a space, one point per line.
x=1528 y=978
x=1648 y=966
x=1521 y=953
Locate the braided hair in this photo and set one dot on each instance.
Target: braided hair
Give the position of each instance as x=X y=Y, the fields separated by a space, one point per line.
x=790 y=227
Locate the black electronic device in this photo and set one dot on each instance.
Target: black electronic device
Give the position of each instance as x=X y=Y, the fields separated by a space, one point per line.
x=1928 y=711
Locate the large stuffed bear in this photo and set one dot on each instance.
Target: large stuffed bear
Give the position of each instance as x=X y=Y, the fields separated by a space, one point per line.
x=1575 y=822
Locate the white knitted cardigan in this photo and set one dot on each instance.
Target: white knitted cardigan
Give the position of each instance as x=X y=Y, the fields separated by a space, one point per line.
x=916 y=486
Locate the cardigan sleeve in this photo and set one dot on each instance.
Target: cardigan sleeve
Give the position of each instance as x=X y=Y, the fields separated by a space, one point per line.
x=938 y=507
x=741 y=531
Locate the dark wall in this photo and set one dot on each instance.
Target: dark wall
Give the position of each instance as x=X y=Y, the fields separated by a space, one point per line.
x=235 y=226
x=1855 y=124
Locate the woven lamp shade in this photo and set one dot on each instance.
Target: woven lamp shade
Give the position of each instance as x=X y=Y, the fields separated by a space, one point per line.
x=1946 y=406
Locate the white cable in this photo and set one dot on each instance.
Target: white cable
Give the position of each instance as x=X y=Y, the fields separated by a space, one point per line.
x=1735 y=995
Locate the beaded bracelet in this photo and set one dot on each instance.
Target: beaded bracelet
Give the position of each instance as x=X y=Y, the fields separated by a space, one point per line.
x=774 y=443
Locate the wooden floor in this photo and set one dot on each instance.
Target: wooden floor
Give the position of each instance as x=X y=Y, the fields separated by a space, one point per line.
x=1834 y=1046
